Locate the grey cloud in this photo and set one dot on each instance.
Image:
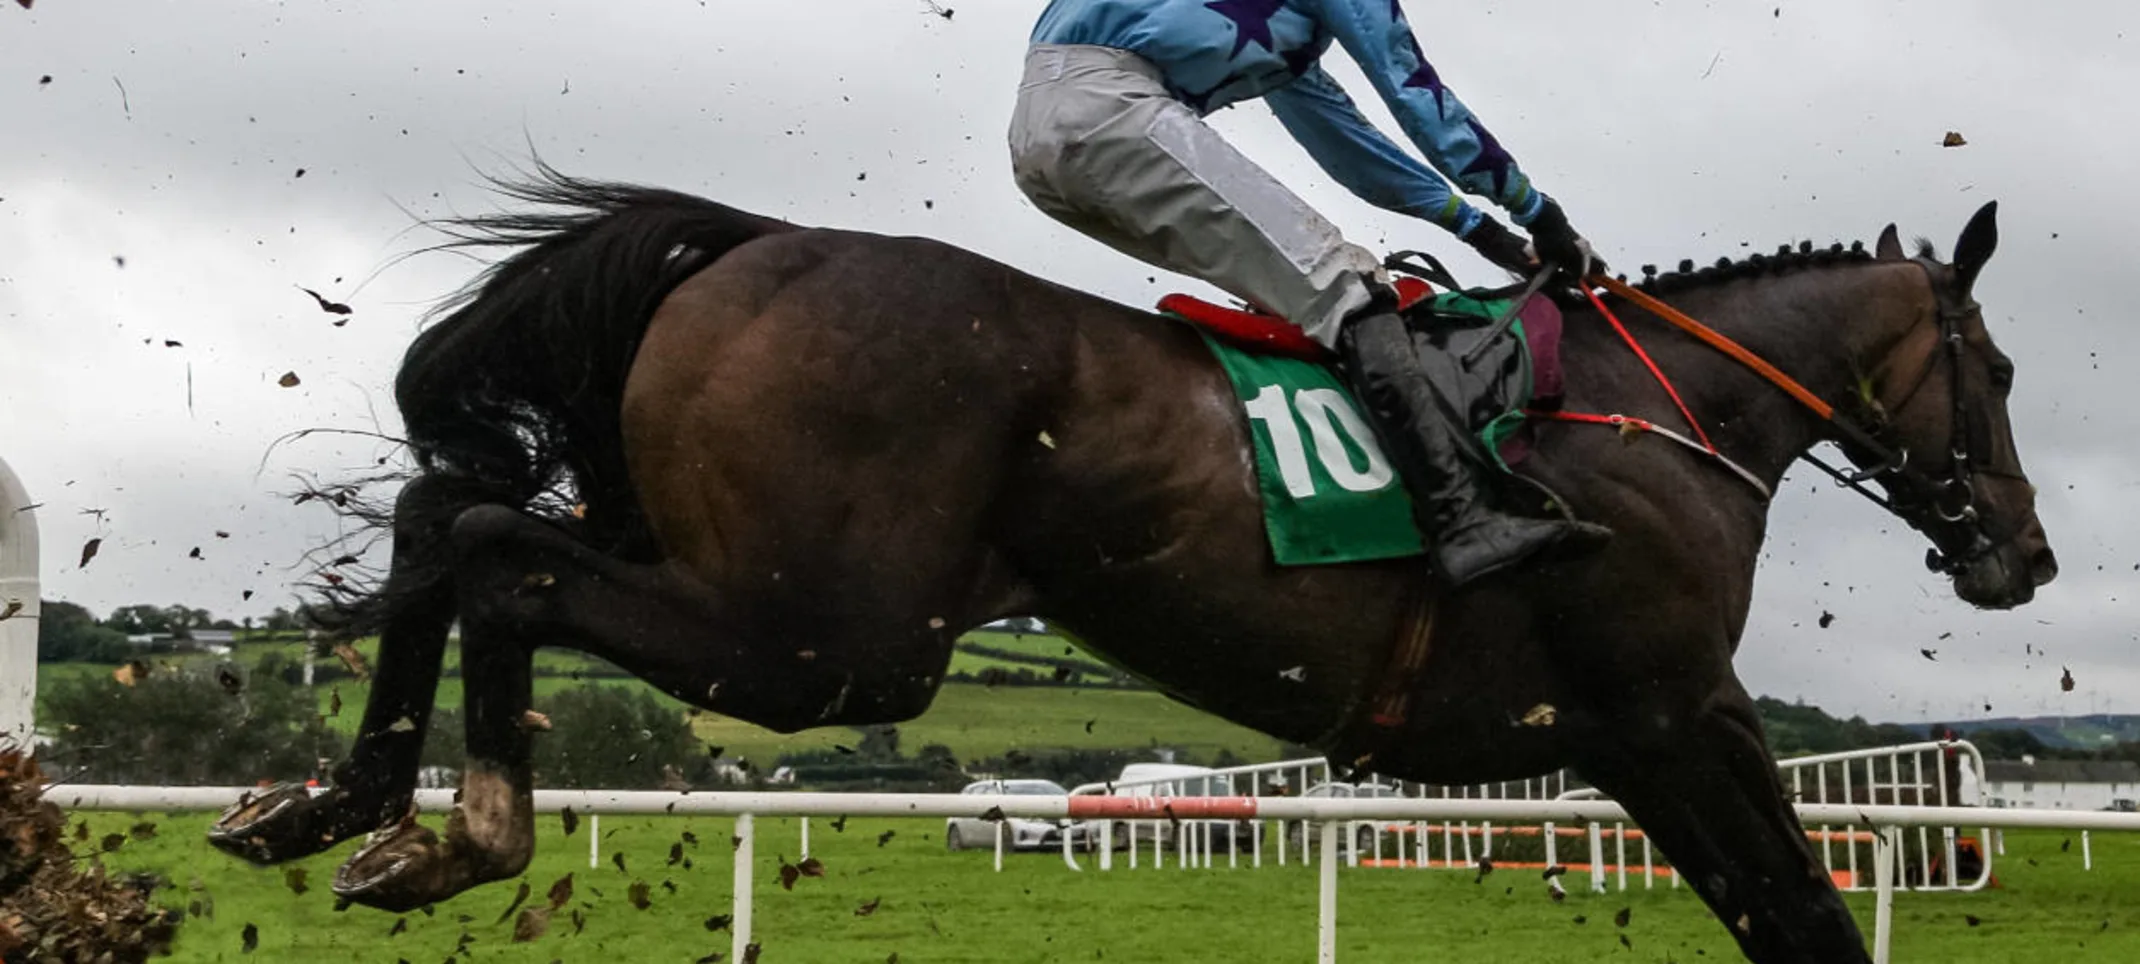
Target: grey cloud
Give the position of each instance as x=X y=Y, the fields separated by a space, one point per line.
x=1823 y=123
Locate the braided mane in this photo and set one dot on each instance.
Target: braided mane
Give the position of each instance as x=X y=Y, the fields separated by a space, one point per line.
x=1787 y=258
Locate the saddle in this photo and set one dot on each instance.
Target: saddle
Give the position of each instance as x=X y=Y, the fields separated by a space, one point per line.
x=1488 y=374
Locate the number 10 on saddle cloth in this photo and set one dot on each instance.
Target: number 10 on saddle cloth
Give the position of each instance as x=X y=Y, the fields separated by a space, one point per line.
x=1329 y=495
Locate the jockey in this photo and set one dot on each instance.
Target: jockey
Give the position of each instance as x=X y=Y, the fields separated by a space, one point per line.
x=1108 y=138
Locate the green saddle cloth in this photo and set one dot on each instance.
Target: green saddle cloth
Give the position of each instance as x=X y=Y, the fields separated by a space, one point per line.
x=1329 y=494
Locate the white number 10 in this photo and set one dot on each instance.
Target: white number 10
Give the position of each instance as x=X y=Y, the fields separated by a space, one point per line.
x=1327 y=415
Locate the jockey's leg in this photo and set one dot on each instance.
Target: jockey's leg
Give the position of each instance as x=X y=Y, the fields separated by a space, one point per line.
x=1098 y=143
x=1438 y=461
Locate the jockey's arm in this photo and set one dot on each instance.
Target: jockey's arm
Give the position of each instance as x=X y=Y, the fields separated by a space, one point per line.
x=1318 y=113
x=1375 y=34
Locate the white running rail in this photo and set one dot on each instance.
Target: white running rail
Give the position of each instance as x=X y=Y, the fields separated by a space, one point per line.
x=1886 y=820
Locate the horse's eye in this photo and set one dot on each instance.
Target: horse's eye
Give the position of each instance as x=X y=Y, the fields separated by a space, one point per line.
x=2002 y=375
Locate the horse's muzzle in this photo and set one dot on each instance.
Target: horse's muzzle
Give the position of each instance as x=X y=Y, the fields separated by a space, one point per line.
x=2008 y=576
x=2043 y=566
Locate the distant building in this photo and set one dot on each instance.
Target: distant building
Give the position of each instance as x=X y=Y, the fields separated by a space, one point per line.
x=1018 y=624
x=216 y=641
x=2062 y=784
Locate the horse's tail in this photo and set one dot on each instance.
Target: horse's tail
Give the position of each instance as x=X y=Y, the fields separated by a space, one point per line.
x=513 y=394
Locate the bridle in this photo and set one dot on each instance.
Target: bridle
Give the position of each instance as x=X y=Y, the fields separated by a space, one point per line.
x=1941 y=502
x=1943 y=505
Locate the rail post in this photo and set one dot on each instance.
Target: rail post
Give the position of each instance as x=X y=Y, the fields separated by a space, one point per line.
x=739 y=927
x=1619 y=858
x=1326 y=897
x=1597 y=858
x=1885 y=840
x=18 y=613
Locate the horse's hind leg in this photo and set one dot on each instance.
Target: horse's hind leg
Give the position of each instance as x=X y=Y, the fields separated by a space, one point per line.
x=490 y=834
x=373 y=786
x=523 y=584
x=1706 y=790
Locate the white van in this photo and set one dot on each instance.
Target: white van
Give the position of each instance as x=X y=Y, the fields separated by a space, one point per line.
x=1180 y=780
x=1168 y=780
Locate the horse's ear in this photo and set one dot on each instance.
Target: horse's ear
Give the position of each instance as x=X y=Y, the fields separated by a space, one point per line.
x=1889 y=247
x=1979 y=239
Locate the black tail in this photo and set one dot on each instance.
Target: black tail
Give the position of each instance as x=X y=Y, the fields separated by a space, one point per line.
x=513 y=394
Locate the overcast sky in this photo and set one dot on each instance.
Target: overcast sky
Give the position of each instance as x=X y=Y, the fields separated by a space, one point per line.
x=173 y=172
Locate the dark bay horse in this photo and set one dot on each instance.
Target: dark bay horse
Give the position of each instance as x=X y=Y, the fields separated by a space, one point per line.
x=776 y=471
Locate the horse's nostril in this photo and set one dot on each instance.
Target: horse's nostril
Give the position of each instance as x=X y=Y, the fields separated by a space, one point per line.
x=2044 y=566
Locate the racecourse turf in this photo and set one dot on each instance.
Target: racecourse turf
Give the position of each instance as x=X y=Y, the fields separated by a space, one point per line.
x=889 y=892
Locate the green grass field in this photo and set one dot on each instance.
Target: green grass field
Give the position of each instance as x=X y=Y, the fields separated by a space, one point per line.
x=979 y=721
x=932 y=907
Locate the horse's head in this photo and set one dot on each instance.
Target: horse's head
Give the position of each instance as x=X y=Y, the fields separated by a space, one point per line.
x=1945 y=415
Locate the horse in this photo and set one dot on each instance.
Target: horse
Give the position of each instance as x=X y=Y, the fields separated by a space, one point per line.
x=776 y=470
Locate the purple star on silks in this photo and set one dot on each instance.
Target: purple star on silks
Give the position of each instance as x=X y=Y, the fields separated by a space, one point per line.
x=1425 y=76
x=1493 y=158
x=1251 y=20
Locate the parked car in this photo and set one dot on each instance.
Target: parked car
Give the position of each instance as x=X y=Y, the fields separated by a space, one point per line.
x=961 y=833
x=1171 y=780
x=1308 y=833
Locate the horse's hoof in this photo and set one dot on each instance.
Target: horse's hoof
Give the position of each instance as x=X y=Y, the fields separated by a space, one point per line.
x=400 y=868
x=270 y=827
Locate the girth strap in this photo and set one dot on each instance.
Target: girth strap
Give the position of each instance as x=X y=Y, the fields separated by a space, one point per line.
x=1367 y=726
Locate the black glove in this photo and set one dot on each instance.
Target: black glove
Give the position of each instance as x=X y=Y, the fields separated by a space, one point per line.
x=1500 y=246
x=1558 y=243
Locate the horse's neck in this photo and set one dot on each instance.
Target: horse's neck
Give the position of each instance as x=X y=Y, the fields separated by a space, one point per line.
x=1827 y=328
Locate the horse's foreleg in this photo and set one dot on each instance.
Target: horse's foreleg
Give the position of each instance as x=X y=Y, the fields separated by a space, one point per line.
x=372 y=788
x=490 y=835
x=1705 y=789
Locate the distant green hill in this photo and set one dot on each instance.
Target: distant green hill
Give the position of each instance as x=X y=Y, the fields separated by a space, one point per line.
x=2092 y=732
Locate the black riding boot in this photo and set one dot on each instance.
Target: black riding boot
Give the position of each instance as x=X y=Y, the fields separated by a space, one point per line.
x=1468 y=537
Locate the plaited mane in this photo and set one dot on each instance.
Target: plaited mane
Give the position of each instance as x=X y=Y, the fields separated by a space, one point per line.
x=1787 y=258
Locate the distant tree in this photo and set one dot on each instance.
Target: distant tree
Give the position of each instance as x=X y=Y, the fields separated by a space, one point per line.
x=878 y=743
x=214 y=725
x=614 y=737
x=2007 y=744
x=138 y=620
x=937 y=756
x=1796 y=729
x=68 y=633
x=183 y=620
x=282 y=621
